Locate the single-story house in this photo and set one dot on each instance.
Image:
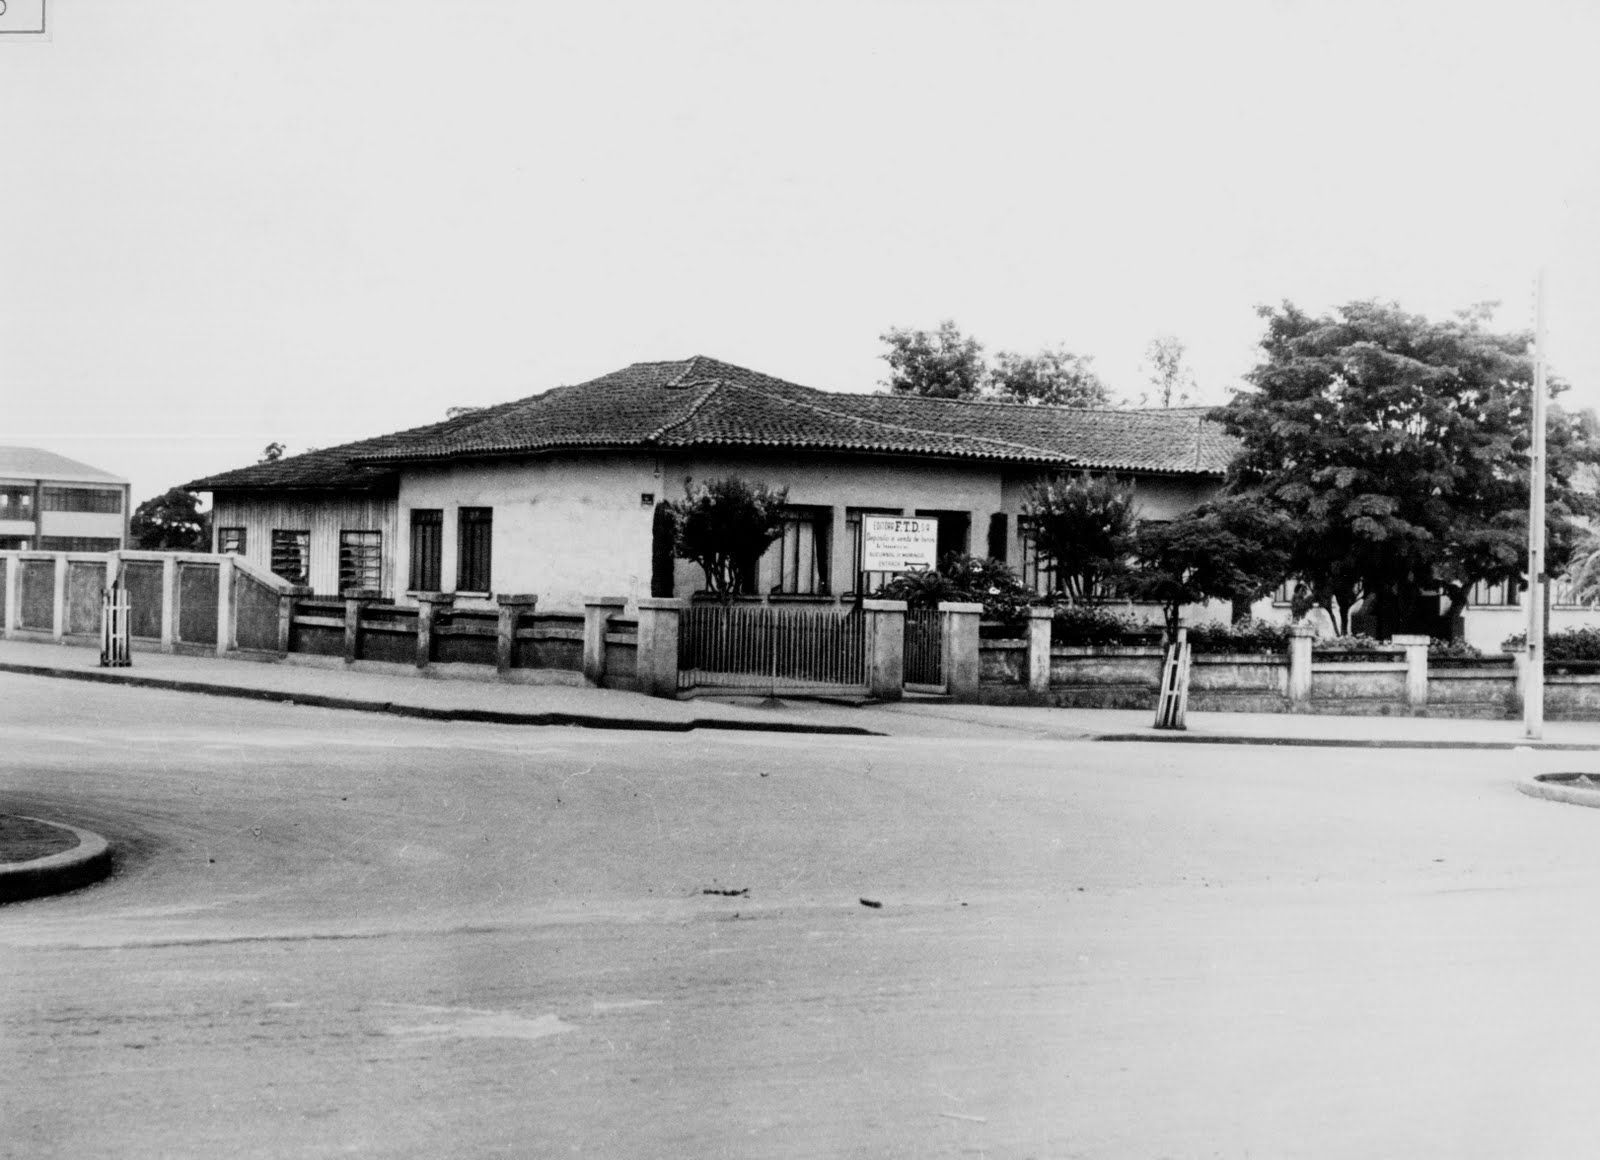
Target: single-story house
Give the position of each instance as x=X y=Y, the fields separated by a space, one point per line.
x=558 y=494
x=50 y=503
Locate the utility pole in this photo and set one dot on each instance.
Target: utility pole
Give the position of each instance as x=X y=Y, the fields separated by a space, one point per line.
x=1533 y=685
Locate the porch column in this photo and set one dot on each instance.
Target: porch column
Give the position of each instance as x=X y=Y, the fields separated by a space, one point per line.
x=429 y=605
x=169 y=604
x=512 y=606
x=1300 y=636
x=226 y=623
x=597 y=614
x=960 y=660
x=355 y=599
x=1039 y=624
x=1416 y=669
x=13 y=588
x=58 y=622
x=886 y=648
x=286 y=599
x=658 y=644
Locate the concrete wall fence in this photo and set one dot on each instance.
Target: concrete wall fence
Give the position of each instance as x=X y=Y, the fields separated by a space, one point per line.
x=225 y=605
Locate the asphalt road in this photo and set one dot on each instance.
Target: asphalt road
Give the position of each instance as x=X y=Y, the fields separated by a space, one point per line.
x=334 y=934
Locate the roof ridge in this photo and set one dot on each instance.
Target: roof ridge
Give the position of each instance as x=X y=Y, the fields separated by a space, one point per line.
x=694 y=409
x=902 y=428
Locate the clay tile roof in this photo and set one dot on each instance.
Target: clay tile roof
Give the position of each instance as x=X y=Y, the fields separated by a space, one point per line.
x=704 y=402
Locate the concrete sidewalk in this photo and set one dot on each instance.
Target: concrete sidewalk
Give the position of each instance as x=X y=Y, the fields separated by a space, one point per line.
x=399 y=692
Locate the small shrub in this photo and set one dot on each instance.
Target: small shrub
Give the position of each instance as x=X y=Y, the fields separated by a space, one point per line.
x=1247 y=636
x=1354 y=643
x=968 y=579
x=1082 y=625
x=1452 y=649
x=1570 y=644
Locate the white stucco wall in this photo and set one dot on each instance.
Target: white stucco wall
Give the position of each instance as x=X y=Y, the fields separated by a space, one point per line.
x=565 y=529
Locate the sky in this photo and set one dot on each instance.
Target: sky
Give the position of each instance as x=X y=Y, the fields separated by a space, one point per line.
x=224 y=225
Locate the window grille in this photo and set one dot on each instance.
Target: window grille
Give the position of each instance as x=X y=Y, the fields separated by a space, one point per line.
x=16 y=503
x=474 y=541
x=427 y=549
x=361 y=560
x=82 y=499
x=291 y=555
x=231 y=541
x=797 y=562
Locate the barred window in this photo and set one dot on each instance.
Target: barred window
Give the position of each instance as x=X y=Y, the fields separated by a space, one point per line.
x=291 y=555
x=1038 y=570
x=361 y=560
x=797 y=562
x=1502 y=595
x=16 y=503
x=82 y=499
x=231 y=541
x=474 y=540
x=427 y=549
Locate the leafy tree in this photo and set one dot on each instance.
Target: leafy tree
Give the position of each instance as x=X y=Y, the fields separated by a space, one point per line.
x=1053 y=376
x=1397 y=448
x=171 y=522
x=942 y=364
x=1171 y=381
x=725 y=525
x=271 y=453
x=1082 y=526
x=1235 y=549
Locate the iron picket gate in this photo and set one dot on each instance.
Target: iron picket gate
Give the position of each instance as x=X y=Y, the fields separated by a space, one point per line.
x=924 y=649
x=770 y=649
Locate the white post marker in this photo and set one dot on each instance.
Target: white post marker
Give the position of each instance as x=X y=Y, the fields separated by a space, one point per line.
x=1533 y=693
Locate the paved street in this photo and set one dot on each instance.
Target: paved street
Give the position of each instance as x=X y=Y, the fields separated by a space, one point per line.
x=346 y=934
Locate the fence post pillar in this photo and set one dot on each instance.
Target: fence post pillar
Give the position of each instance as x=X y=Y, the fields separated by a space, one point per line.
x=286 y=599
x=355 y=599
x=169 y=603
x=13 y=588
x=886 y=648
x=1300 y=637
x=225 y=619
x=1416 y=669
x=429 y=605
x=597 y=613
x=512 y=606
x=960 y=659
x=58 y=623
x=1040 y=621
x=658 y=644
x=1519 y=665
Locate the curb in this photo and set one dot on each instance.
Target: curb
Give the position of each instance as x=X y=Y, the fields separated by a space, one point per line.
x=88 y=861
x=1342 y=743
x=1554 y=791
x=481 y=716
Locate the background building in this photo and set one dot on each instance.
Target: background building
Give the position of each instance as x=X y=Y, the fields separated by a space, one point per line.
x=54 y=504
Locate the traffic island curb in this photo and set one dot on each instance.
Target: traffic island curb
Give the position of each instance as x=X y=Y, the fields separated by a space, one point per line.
x=1578 y=789
x=85 y=863
x=1342 y=742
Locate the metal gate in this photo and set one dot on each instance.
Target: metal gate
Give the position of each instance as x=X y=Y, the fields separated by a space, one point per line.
x=924 y=650
x=765 y=649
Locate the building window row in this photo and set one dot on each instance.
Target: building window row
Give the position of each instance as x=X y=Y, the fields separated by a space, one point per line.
x=82 y=499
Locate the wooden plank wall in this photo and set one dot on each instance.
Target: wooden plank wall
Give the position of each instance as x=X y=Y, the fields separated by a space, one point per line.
x=324 y=515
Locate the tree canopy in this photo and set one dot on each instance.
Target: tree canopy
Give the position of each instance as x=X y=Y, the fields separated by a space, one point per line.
x=941 y=364
x=1232 y=549
x=1171 y=381
x=1397 y=447
x=1081 y=524
x=947 y=364
x=171 y=522
x=1054 y=376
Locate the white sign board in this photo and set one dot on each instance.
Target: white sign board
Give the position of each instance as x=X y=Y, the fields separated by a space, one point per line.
x=898 y=543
